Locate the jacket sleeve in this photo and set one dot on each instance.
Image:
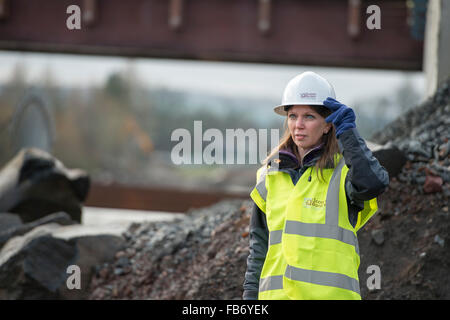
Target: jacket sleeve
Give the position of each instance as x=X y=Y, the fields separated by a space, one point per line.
x=366 y=178
x=259 y=237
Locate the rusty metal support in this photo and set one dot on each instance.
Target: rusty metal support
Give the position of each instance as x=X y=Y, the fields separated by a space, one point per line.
x=90 y=13
x=264 y=13
x=4 y=9
x=154 y=198
x=354 y=18
x=175 y=14
x=221 y=30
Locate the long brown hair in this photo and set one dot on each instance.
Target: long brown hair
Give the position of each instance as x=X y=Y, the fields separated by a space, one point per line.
x=329 y=140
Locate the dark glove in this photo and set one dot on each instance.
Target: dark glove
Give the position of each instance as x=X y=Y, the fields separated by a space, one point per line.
x=342 y=117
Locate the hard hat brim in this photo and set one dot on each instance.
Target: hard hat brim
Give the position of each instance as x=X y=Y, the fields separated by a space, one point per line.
x=280 y=109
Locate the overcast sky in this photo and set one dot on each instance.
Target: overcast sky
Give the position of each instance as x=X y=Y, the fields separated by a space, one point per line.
x=230 y=79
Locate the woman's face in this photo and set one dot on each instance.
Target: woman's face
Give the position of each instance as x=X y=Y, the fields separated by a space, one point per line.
x=306 y=127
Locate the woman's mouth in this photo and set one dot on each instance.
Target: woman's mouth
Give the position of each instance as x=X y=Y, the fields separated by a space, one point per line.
x=300 y=136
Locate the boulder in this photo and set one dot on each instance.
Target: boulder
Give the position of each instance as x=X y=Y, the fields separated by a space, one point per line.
x=9 y=220
x=18 y=229
x=34 y=184
x=389 y=156
x=36 y=265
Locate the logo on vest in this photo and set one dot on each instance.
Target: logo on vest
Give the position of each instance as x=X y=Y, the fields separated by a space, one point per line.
x=314 y=203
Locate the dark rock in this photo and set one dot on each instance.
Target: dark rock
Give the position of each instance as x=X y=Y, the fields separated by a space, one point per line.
x=34 y=266
x=432 y=184
x=60 y=218
x=378 y=236
x=9 y=220
x=391 y=158
x=35 y=184
x=444 y=150
x=439 y=240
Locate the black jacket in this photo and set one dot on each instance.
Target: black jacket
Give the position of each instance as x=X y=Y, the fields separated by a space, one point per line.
x=365 y=180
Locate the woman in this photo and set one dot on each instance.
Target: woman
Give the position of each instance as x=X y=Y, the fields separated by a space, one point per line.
x=315 y=191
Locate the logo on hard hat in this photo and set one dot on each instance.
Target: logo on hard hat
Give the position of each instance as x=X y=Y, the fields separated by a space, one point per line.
x=310 y=95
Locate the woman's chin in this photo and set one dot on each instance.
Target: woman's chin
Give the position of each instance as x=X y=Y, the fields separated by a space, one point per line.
x=302 y=144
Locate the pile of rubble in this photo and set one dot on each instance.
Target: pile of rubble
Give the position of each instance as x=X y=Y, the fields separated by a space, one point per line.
x=423 y=134
x=408 y=239
x=409 y=236
x=201 y=256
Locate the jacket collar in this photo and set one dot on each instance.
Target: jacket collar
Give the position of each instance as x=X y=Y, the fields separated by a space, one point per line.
x=287 y=159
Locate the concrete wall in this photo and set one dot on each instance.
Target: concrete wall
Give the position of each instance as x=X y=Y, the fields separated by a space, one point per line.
x=437 y=44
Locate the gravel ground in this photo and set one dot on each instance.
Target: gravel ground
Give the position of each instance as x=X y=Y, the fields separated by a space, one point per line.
x=202 y=256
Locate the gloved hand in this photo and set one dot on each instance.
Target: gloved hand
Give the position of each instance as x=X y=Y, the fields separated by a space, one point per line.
x=342 y=117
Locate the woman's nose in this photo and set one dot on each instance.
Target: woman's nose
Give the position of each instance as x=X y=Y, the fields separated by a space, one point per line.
x=299 y=123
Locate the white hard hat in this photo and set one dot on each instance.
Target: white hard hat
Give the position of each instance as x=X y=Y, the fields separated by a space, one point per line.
x=308 y=88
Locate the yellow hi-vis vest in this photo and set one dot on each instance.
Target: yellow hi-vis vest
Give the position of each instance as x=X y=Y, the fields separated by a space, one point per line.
x=313 y=249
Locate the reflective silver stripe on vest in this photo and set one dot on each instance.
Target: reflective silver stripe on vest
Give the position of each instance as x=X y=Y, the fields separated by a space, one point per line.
x=323 y=278
x=275 y=237
x=271 y=283
x=332 y=201
x=262 y=190
x=321 y=231
x=261 y=185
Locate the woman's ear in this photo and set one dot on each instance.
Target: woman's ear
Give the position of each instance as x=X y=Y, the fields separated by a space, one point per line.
x=327 y=128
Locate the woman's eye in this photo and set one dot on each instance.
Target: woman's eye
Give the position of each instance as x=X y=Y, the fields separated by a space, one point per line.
x=292 y=116
x=309 y=116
